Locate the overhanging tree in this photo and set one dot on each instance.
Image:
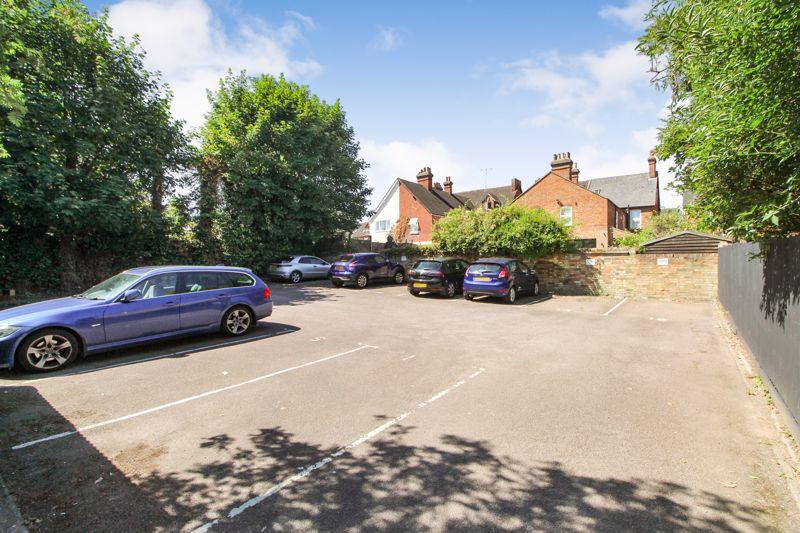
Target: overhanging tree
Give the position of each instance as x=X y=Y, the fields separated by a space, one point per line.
x=733 y=69
x=90 y=165
x=288 y=168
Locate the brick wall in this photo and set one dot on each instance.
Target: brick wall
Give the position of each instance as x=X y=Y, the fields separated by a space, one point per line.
x=411 y=208
x=684 y=277
x=591 y=214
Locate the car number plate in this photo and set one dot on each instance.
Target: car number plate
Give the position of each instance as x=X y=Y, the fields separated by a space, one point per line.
x=421 y=285
x=481 y=278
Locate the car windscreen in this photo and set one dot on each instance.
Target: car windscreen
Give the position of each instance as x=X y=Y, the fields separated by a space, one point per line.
x=427 y=265
x=109 y=287
x=485 y=268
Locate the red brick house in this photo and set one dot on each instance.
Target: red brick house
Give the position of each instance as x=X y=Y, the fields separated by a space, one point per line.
x=424 y=201
x=598 y=206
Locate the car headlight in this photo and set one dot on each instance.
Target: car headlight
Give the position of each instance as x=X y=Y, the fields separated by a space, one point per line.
x=5 y=331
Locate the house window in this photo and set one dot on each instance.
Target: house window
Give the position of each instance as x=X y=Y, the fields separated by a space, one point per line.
x=382 y=225
x=566 y=215
x=636 y=218
x=413 y=226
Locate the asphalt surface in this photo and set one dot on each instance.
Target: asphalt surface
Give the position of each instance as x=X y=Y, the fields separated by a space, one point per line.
x=375 y=410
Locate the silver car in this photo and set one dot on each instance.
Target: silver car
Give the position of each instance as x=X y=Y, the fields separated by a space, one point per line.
x=296 y=268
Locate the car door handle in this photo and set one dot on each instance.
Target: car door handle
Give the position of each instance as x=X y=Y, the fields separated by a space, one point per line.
x=169 y=304
x=221 y=296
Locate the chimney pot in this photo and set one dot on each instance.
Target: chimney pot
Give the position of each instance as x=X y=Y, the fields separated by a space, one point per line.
x=562 y=166
x=425 y=178
x=652 y=164
x=448 y=185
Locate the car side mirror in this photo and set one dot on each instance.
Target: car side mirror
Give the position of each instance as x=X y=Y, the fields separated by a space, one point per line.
x=131 y=295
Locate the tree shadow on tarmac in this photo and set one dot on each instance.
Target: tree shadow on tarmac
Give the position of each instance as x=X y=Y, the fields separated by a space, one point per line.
x=455 y=484
x=387 y=484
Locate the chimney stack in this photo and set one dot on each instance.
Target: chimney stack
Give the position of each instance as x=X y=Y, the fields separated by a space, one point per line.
x=425 y=178
x=561 y=165
x=516 y=188
x=448 y=185
x=573 y=176
x=652 y=161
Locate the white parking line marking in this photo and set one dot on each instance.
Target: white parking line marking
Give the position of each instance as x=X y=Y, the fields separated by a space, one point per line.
x=153 y=358
x=305 y=472
x=185 y=400
x=615 y=307
x=409 y=357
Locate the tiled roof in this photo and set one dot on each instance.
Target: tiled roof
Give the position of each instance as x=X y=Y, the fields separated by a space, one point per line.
x=631 y=190
x=436 y=202
x=503 y=194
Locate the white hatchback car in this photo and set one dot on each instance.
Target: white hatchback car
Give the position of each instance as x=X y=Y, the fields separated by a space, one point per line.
x=296 y=268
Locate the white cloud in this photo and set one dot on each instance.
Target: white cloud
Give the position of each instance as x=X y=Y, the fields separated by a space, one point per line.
x=578 y=88
x=631 y=14
x=192 y=48
x=388 y=39
x=399 y=159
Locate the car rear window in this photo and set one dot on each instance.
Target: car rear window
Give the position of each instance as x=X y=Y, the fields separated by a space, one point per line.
x=427 y=265
x=346 y=257
x=286 y=259
x=485 y=268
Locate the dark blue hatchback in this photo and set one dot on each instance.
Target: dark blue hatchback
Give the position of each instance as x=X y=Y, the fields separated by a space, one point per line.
x=500 y=277
x=138 y=305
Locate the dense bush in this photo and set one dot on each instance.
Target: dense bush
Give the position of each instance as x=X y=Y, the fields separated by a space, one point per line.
x=513 y=231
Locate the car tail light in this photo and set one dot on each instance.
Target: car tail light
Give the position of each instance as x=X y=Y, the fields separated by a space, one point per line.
x=503 y=273
x=266 y=293
x=351 y=265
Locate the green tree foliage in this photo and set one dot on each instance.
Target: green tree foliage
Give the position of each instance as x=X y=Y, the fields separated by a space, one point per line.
x=12 y=100
x=91 y=163
x=733 y=68
x=287 y=167
x=665 y=223
x=513 y=231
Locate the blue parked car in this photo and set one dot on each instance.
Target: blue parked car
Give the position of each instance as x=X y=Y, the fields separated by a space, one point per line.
x=364 y=268
x=500 y=277
x=138 y=305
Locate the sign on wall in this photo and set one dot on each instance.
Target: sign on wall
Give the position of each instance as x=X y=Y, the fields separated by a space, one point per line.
x=662 y=261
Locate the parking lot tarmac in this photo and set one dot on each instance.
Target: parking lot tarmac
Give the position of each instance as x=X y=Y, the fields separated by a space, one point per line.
x=376 y=410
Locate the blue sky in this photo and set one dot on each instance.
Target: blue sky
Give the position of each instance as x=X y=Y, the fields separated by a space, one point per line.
x=480 y=91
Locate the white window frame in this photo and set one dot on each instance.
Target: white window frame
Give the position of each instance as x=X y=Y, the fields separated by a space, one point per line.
x=382 y=225
x=566 y=214
x=635 y=219
x=413 y=226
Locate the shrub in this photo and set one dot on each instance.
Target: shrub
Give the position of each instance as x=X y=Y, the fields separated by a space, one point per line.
x=514 y=231
x=665 y=223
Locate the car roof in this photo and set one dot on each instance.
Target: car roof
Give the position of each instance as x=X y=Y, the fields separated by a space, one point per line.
x=185 y=268
x=439 y=259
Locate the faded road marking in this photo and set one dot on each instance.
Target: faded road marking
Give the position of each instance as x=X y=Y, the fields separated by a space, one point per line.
x=615 y=307
x=185 y=400
x=409 y=357
x=305 y=472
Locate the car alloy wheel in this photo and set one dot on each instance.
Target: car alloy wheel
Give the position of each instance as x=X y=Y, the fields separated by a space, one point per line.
x=451 y=289
x=295 y=277
x=238 y=321
x=49 y=352
x=361 y=281
x=399 y=278
x=512 y=295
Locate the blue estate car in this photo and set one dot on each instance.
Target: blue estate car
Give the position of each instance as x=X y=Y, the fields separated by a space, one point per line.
x=135 y=306
x=500 y=277
x=363 y=268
